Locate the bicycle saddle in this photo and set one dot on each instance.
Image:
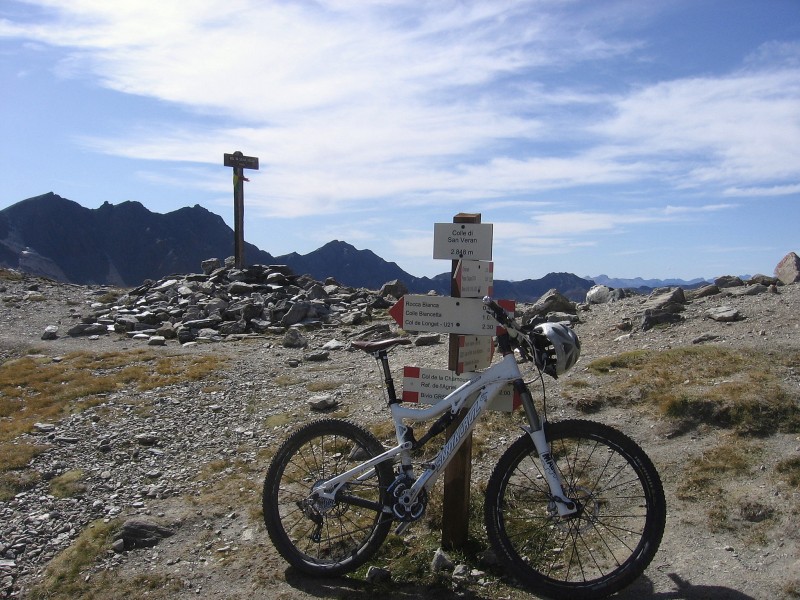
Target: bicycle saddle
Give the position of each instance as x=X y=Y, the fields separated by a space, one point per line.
x=377 y=345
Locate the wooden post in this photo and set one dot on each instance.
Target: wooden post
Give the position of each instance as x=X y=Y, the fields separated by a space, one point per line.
x=238 y=216
x=239 y=162
x=457 y=475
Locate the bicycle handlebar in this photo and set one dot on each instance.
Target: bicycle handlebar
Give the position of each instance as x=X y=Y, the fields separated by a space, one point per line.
x=499 y=313
x=517 y=337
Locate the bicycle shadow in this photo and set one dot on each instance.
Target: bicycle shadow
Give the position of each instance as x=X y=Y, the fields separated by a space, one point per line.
x=643 y=588
x=356 y=589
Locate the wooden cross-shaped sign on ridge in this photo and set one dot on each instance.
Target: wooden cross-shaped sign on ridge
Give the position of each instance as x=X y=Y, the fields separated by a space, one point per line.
x=239 y=162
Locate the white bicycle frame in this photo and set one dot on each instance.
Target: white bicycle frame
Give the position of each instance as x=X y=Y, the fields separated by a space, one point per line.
x=486 y=384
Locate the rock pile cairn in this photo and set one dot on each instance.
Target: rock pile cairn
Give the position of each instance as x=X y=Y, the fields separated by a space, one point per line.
x=224 y=301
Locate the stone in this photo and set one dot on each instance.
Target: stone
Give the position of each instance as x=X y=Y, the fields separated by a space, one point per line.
x=167 y=331
x=551 y=301
x=750 y=290
x=763 y=280
x=651 y=318
x=378 y=575
x=139 y=533
x=427 y=339
x=50 y=332
x=561 y=317
x=728 y=281
x=441 y=562
x=334 y=345
x=147 y=439
x=294 y=339
x=665 y=300
x=788 y=269
x=86 y=329
x=323 y=402
x=124 y=323
x=723 y=314
x=353 y=318
x=706 y=337
x=395 y=288
x=599 y=294
x=702 y=292
x=296 y=313
x=461 y=572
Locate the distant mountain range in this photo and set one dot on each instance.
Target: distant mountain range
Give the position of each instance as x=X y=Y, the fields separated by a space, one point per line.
x=125 y=244
x=646 y=284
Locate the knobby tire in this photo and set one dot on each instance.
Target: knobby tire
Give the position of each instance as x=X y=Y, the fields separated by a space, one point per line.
x=318 y=538
x=613 y=538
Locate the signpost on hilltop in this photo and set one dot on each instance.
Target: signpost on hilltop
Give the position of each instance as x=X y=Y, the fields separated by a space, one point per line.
x=239 y=162
x=459 y=243
x=468 y=244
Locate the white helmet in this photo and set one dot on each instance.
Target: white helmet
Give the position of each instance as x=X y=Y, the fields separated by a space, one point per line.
x=560 y=346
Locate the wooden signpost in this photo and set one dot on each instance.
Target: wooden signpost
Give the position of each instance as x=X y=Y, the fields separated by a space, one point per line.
x=458 y=474
x=468 y=244
x=239 y=162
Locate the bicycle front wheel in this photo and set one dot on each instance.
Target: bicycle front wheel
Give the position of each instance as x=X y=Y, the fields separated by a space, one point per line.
x=318 y=536
x=610 y=540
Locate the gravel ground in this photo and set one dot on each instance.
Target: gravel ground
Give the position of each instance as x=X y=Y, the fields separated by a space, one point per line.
x=191 y=456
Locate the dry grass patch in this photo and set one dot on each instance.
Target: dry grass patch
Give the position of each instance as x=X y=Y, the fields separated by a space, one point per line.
x=13 y=460
x=323 y=386
x=707 y=477
x=65 y=574
x=729 y=459
x=232 y=482
x=68 y=485
x=38 y=388
x=739 y=389
x=789 y=471
x=9 y=275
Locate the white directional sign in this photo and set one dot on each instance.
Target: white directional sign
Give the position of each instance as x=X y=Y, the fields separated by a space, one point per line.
x=430 y=386
x=474 y=352
x=454 y=241
x=443 y=314
x=475 y=279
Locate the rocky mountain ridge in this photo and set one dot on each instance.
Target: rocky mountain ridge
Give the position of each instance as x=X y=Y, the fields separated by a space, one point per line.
x=126 y=244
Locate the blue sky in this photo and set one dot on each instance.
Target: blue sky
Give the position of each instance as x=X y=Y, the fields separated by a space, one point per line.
x=628 y=138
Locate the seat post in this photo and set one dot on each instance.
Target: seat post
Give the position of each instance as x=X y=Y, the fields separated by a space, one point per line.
x=383 y=357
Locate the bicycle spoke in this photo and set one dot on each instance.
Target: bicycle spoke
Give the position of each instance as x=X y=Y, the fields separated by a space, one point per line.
x=582 y=554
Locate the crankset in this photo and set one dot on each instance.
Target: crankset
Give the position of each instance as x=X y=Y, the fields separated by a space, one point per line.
x=406 y=508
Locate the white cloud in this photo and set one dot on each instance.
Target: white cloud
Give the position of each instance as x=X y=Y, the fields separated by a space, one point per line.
x=347 y=102
x=772 y=190
x=736 y=129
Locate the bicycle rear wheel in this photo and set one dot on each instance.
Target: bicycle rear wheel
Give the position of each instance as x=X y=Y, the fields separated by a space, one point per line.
x=321 y=537
x=602 y=548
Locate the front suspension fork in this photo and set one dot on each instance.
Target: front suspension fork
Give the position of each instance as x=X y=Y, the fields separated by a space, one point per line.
x=535 y=430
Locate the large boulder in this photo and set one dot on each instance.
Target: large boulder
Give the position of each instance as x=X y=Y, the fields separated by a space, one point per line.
x=728 y=281
x=670 y=300
x=788 y=270
x=599 y=294
x=395 y=288
x=551 y=301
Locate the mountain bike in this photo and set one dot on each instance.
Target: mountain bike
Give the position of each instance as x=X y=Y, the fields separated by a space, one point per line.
x=573 y=509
